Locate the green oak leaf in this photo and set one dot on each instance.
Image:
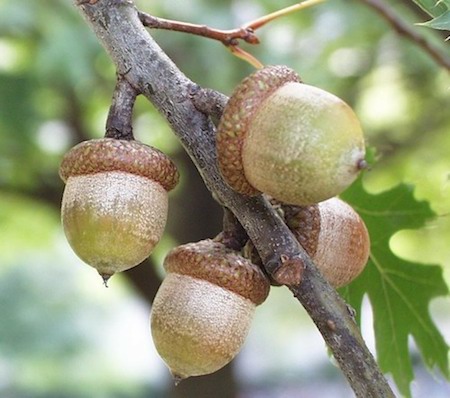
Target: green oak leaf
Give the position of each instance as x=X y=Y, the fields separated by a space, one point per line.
x=441 y=22
x=433 y=7
x=399 y=291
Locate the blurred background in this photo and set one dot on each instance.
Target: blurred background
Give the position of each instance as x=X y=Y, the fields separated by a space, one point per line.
x=62 y=334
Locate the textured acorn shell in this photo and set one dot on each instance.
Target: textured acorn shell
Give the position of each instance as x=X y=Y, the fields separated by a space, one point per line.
x=113 y=220
x=197 y=326
x=304 y=145
x=203 y=310
x=237 y=117
x=335 y=237
x=115 y=204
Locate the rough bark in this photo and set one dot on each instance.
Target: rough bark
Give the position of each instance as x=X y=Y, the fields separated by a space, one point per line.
x=147 y=68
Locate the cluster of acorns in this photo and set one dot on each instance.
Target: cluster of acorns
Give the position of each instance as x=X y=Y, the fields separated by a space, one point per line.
x=298 y=144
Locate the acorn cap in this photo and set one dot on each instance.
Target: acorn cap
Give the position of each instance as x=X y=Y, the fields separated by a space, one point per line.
x=237 y=115
x=305 y=223
x=214 y=262
x=109 y=154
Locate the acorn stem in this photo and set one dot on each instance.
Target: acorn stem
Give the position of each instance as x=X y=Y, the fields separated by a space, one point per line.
x=119 y=121
x=233 y=234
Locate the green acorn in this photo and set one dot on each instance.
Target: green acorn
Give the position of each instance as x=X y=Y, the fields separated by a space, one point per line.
x=115 y=203
x=204 y=307
x=295 y=142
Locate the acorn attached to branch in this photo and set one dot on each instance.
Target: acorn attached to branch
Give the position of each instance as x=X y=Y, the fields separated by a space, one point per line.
x=294 y=142
x=204 y=307
x=114 y=207
x=334 y=236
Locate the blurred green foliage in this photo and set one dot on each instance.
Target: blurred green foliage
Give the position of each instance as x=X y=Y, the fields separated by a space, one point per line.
x=55 y=87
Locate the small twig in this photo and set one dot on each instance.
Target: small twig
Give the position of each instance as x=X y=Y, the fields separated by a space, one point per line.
x=226 y=37
x=119 y=121
x=258 y=23
x=244 y=55
x=229 y=38
x=406 y=30
x=233 y=235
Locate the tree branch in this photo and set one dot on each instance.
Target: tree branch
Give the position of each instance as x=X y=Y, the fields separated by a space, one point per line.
x=409 y=32
x=148 y=69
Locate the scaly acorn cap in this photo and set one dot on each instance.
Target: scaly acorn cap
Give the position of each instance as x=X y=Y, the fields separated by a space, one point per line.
x=110 y=154
x=304 y=223
x=214 y=262
x=237 y=116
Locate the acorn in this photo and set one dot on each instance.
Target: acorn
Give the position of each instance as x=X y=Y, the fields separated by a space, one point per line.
x=334 y=236
x=204 y=307
x=115 y=201
x=295 y=142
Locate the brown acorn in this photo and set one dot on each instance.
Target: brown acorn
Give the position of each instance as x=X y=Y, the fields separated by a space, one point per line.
x=114 y=206
x=294 y=142
x=204 y=307
x=334 y=236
